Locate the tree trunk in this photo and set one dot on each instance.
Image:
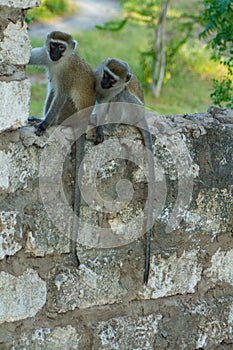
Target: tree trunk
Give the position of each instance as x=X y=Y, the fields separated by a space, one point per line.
x=159 y=68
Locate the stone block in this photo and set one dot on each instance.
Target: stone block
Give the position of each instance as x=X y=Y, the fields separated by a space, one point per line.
x=21 y=297
x=127 y=333
x=15 y=100
x=10 y=233
x=18 y=166
x=175 y=275
x=15 y=47
x=59 y=338
x=85 y=287
x=221 y=268
x=4 y=171
x=42 y=237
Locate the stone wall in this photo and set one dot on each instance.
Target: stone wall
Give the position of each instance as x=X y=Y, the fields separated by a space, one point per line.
x=49 y=302
x=14 y=55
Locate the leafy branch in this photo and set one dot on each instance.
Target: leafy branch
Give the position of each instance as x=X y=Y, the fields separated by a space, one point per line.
x=217 y=19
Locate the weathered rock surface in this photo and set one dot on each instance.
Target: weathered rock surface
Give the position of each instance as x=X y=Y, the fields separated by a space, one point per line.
x=102 y=304
x=21 y=297
x=22 y=4
x=15 y=51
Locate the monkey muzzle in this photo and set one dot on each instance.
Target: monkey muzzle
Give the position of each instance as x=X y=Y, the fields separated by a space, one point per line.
x=55 y=54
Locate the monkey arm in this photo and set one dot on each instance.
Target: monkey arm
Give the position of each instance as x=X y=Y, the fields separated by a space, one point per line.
x=39 y=57
x=55 y=106
x=49 y=99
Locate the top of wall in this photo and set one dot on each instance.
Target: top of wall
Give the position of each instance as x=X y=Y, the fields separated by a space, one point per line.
x=21 y=3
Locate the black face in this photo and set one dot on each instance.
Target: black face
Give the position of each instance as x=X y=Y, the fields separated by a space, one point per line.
x=107 y=81
x=56 y=50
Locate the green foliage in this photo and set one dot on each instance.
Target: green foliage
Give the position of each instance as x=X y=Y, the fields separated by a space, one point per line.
x=178 y=34
x=48 y=9
x=218 y=21
x=56 y=6
x=145 y=11
x=223 y=92
x=114 y=25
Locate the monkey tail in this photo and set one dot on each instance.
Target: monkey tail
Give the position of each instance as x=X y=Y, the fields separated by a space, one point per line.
x=79 y=154
x=147 y=257
x=151 y=194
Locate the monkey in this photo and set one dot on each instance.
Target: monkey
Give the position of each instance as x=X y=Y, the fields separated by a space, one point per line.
x=71 y=88
x=71 y=80
x=113 y=76
x=115 y=82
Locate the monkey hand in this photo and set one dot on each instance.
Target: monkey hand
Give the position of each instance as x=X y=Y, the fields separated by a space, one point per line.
x=40 y=129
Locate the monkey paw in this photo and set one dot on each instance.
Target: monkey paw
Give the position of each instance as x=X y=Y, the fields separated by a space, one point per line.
x=40 y=129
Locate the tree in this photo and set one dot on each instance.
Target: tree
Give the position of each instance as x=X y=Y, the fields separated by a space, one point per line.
x=217 y=18
x=154 y=14
x=159 y=57
x=159 y=68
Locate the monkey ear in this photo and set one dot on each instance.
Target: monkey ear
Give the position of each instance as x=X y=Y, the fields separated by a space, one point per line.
x=75 y=44
x=107 y=60
x=48 y=36
x=128 y=77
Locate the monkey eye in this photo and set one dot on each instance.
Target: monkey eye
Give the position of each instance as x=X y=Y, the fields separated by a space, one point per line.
x=109 y=77
x=61 y=47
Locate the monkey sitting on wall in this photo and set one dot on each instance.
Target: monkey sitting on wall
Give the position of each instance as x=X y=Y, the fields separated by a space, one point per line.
x=112 y=77
x=71 y=81
x=116 y=83
x=71 y=88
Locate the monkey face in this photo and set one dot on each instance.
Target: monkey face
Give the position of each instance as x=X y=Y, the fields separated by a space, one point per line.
x=56 y=50
x=114 y=78
x=108 y=81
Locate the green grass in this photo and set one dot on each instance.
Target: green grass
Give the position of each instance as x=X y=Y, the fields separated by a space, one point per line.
x=38 y=95
x=185 y=93
x=187 y=90
x=189 y=87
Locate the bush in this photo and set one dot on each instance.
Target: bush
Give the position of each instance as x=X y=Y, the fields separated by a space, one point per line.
x=217 y=18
